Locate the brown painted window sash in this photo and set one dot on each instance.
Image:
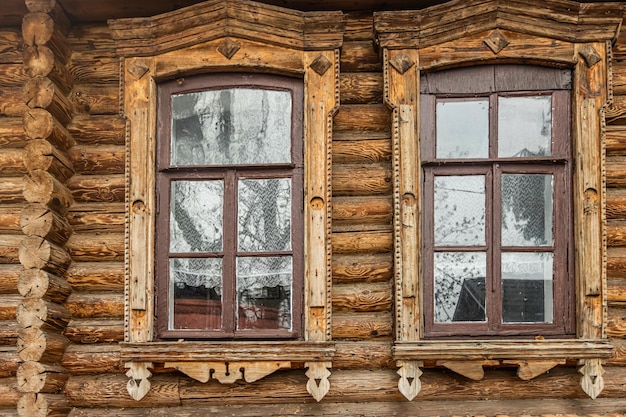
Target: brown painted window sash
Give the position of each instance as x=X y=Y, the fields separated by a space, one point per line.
x=230 y=174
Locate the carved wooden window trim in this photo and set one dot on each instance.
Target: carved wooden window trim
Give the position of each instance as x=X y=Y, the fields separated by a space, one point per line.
x=228 y=36
x=461 y=33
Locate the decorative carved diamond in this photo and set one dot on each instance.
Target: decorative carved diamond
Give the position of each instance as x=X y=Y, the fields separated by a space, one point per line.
x=401 y=63
x=228 y=48
x=496 y=41
x=138 y=69
x=320 y=64
x=590 y=55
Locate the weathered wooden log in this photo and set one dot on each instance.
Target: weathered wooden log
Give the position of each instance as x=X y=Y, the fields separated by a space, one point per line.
x=9 y=275
x=616 y=292
x=43 y=155
x=11 y=191
x=364 y=179
x=96 y=99
x=93 y=359
x=8 y=306
x=36 y=252
x=8 y=332
x=362 y=117
x=616 y=263
x=616 y=233
x=39 y=61
x=616 y=172
x=89 y=70
x=12 y=103
x=95 y=331
x=616 y=322
x=367 y=354
x=616 y=204
x=95 y=305
x=365 y=297
x=37 y=283
x=39 y=377
x=12 y=75
x=11 y=45
x=10 y=219
x=12 y=162
x=39 y=345
x=368 y=242
x=361 y=87
x=9 y=395
x=618 y=358
x=40 y=124
x=9 y=361
x=43 y=405
x=42 y=314
x=43 y=93
x=9 y=248
x=41 y=187
x=362 y=326
x=361 y=151
x=91 y=41
x=362 y=210
x=98 y=160
x=348 y=269
x=97 y=217
x=40 y=29
x=358 y=26
x=92 y=188
x=12 y=133
x=96 y=276
x=96 y=247
x=98 y=129
x=615 y=140
x=39 y=220
x=360 y=56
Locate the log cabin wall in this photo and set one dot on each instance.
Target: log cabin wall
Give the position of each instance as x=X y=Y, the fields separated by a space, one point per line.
x=363 y=382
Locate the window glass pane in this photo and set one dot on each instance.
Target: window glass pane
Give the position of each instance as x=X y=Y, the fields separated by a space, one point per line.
x=524 y=126
x=527 y=207
x=462 y=129
x=195 y=294
x=231 y=126
x=264 y=292
x=527 y=287
x=196 y=212
x=460 y=210
x=460 y=286
x=264 y=215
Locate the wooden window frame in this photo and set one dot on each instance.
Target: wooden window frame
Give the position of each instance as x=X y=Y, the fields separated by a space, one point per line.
x=465 y=33
x=166 y=173
x=473 y=83
x=221 y=37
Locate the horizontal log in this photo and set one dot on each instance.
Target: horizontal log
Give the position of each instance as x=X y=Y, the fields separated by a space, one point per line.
x=96 y=276
x=366 y=354
x=93 y=359
x=95 y=305
x=97 y=217
x=96 y=247
x=364 y=297
x=10 y=219
x=39 y=345
x=91 y=40
x=42 y=155
x=362 y=210
x=12 y=75
x=41 y=124
x=35 y=252
x=98 y=160
x=9 y=275
x=95 y=331
x=358 y=26
x=616 y=233
x=616 y=204
x=616 y=171
x=37 y=283
x=362 y=326
x=12 y=103
x=92 y=188
x=360 y=56
x=8 y=306
x=32 y=404
x=93 y=70
x=9 y=330
x=9 y=395
x=43 y=93
x=39 y=61
x=11 y=45
x=45 y=315
x=9 y=248
x=362 y=179
x=616 y=292
x=361 y=87
x=362 y=268
x=12 y=132
x=12 y=162
x=615 y=140
x=11 y=190
x=361 y=151
x=618 y=358
x=96 y=99
x=616 y=263
x=39 y=377
x=363 y=117
x=616 y=322
x=368 y=242
x=9 y=361
x=41 y=187
x=98 y=129
x=41 y=221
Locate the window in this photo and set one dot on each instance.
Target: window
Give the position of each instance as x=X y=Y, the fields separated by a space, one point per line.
x=496 y=163
x=230 y=185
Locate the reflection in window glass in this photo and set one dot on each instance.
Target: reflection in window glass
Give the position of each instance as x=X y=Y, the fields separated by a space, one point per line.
x=527 y=287
x=231 y=126
x=264 y=208
x=196 y=211
x=195 y=294
x=527 y=207
x=524 y=126
x=460 y=286
x=462 y=129
x=264 y=292
x=460 y=210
